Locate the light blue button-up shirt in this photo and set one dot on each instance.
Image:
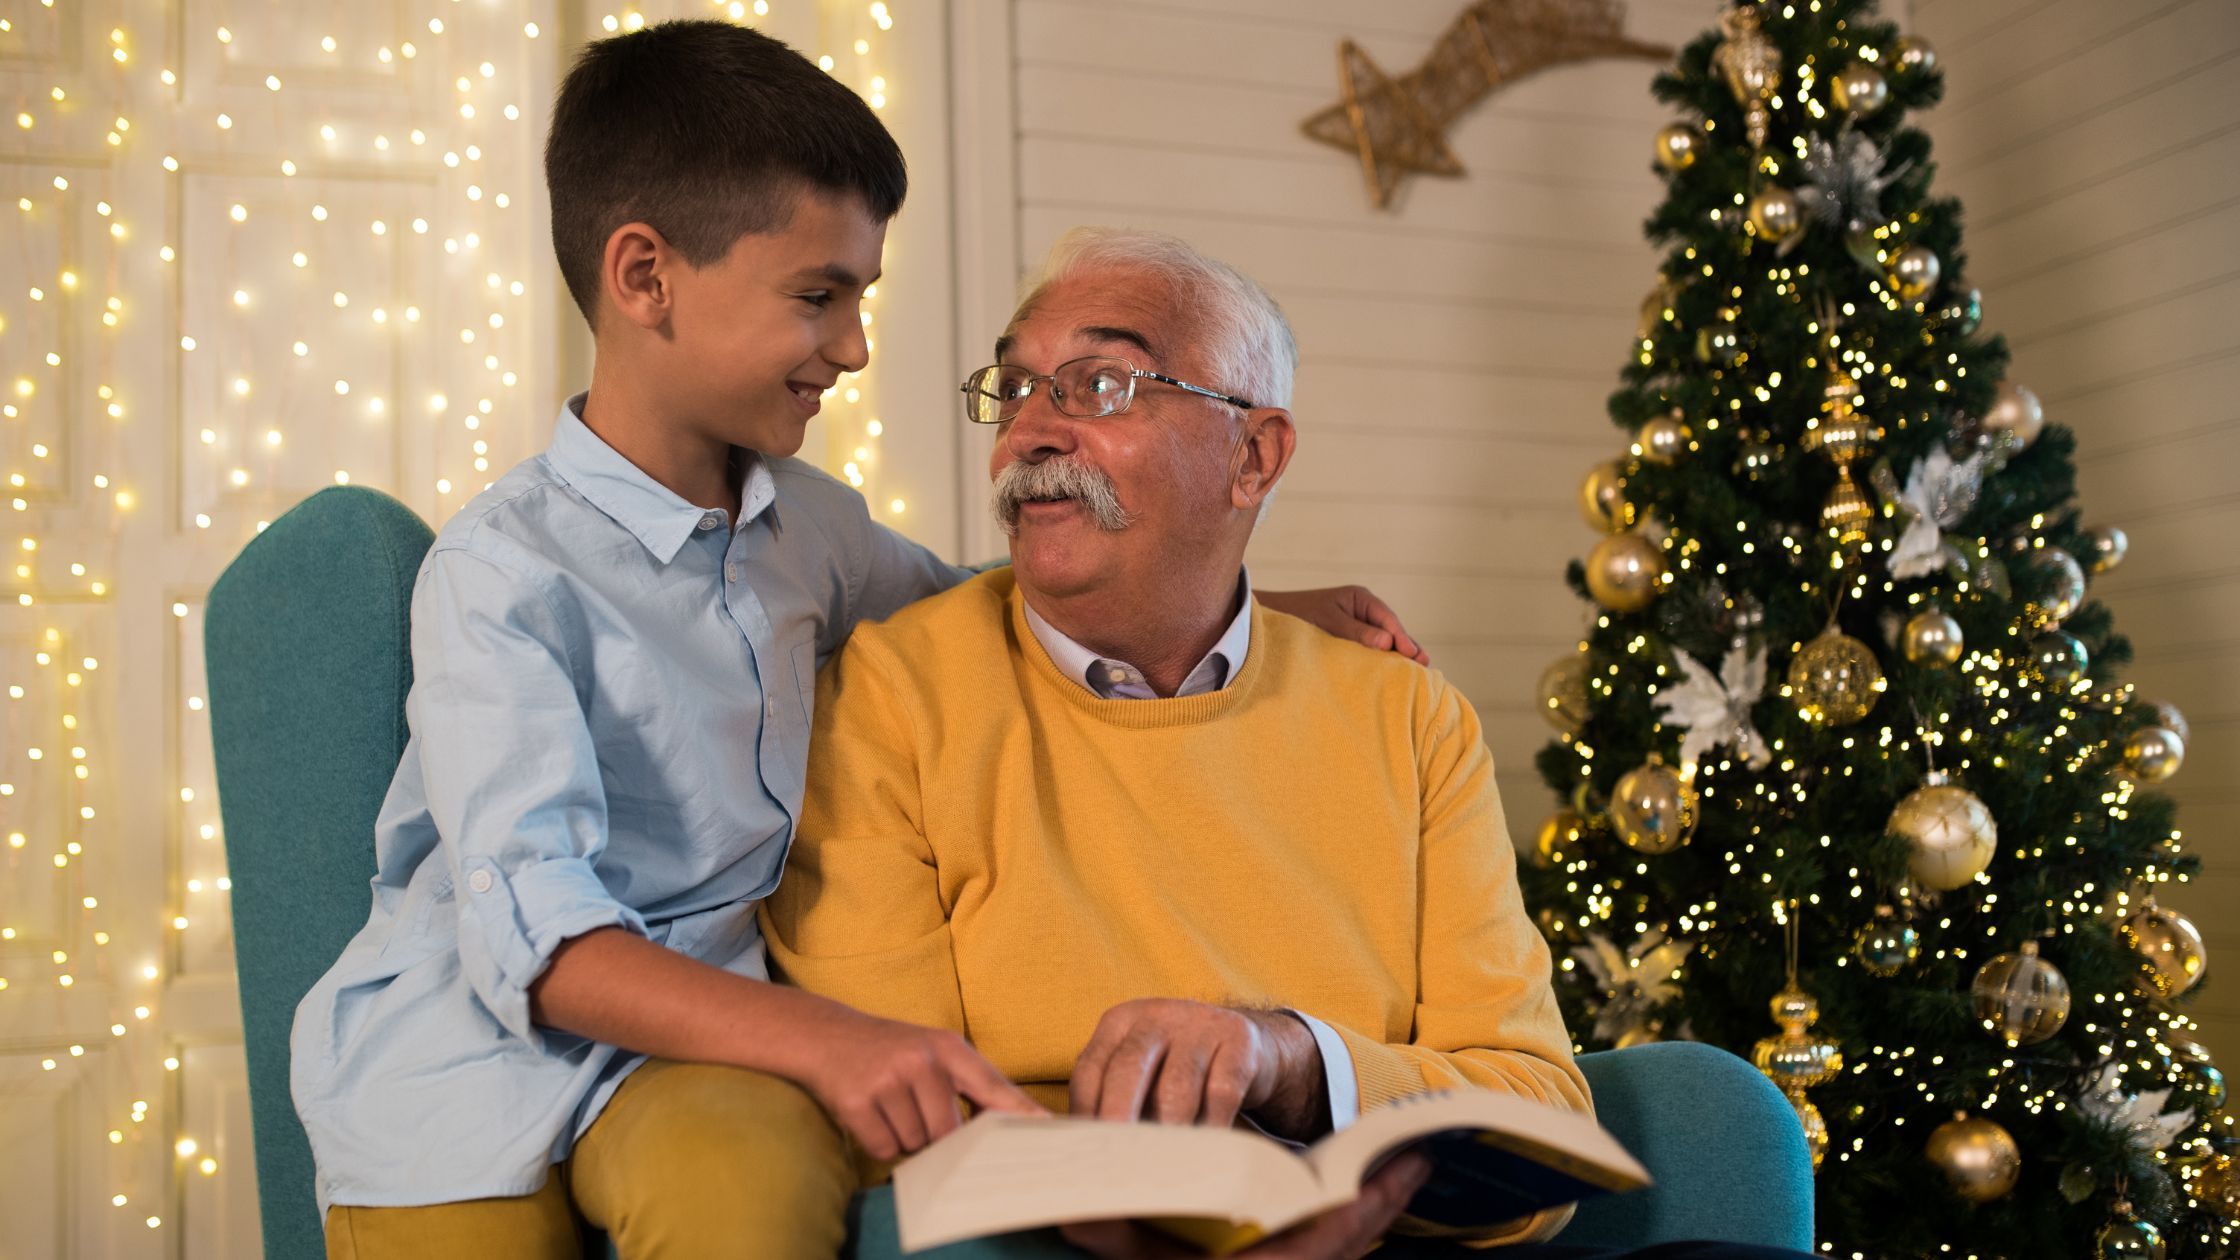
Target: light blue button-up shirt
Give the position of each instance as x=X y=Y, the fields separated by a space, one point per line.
x=609 y=720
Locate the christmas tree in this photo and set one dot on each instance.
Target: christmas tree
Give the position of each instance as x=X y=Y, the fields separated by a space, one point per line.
x=1849 y=780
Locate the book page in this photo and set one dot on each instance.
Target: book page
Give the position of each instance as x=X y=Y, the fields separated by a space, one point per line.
x=1526 y=1149
x=1001 y=1173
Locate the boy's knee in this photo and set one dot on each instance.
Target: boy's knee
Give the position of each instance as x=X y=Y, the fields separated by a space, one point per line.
x=706 y=1151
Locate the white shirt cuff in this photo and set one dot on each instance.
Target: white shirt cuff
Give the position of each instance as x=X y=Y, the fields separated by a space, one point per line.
x=1337 y=1071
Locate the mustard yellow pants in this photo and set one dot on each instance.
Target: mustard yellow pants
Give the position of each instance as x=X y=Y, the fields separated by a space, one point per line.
x=687 y=1159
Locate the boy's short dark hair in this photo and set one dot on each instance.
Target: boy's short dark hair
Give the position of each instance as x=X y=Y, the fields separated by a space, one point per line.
x=707 y=131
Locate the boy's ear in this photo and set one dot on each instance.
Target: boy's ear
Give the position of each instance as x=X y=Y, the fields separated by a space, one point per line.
x=635 y=274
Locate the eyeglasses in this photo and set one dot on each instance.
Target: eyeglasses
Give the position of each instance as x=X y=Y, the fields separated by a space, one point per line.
x=1099 y=385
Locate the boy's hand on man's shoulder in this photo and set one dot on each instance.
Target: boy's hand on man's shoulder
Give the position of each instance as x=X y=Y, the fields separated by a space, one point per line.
x=1349 y=612
x=894 y=1086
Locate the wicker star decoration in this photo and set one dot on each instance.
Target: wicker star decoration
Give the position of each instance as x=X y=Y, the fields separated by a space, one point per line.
x=1398 y=125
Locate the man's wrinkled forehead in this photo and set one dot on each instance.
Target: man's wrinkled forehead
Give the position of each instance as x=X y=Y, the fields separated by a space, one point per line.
x=1130 y=314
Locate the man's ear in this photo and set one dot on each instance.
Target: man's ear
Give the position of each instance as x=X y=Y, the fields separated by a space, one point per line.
x=1262 y=456
x=636 y=274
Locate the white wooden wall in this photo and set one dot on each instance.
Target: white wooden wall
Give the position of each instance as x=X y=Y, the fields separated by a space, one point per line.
x=1455 y=351
x=2096 y=149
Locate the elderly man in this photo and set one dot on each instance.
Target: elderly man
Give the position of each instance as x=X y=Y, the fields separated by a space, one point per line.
x=1158 y=852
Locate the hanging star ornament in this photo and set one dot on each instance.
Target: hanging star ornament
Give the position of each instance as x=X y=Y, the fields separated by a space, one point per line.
x=1715 y=708
x=1938 y=493
x=1398 y=125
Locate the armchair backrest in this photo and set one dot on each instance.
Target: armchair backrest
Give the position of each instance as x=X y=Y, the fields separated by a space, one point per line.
x=306 y=642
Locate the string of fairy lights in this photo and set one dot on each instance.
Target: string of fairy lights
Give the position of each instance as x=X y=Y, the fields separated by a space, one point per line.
x=270 y=366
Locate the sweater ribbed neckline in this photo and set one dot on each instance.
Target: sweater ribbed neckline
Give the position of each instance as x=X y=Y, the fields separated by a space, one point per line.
x=1142 y=714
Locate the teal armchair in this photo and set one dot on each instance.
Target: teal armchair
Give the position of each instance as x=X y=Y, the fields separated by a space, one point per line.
x=309 y=663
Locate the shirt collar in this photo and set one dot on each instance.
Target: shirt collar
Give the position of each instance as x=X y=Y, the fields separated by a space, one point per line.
x=657 y=516
x=1116 y=679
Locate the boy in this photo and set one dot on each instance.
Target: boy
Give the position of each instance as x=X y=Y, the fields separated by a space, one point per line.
x=558 y=1013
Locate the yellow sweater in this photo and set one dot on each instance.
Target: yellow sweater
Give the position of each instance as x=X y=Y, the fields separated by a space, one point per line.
x=989 y=847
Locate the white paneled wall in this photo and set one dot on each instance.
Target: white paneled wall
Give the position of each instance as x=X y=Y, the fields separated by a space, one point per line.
x=1455 y=350
x=2096 y=149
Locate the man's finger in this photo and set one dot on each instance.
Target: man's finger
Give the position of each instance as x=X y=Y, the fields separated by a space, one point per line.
x=1354 y=1229
x=1380 y=614
x=1181 y=1085
x=1226 y=1082
x=936 y=1097
x=1125 y=1240
x=1086 y=1089
x=899 y=1108
x=1128 y=1075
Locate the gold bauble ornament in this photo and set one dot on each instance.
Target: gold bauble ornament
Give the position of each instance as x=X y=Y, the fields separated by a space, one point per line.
x=1560 y=835
x=1795 y=1061
x=1625 y=572
x=2109 y=546
x=2166 y=714
x=1914 y=271
x=1602 y=497
x=2021 y=997
x=1815 y=1128
x=2168 y=946
x=1678 y=146
x=2152 y=754
x=1663 y=439
x=2063 y=579
x=1656 y=308
x=1914 y=55
x=2199 y=1071
x=2017 y=411
x=1933 y=637
x=1978 y=1157
x=1847 y=511
x=1951 y=830
x=1835 y=680
x=1652 y=810
x=2126 y=1237
x=2218 y=1187
x=1776 y=214
x=1563 y=692
x=1859 y=89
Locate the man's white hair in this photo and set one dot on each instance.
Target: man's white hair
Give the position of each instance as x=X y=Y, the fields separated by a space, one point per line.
x=1249 y=349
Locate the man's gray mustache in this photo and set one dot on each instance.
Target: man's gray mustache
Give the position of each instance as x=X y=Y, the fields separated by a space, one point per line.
x=1059 y=477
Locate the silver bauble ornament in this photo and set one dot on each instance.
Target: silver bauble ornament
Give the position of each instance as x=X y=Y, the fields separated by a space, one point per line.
x=2152 y=754
x=2166 y=714
x=1563 y=692
x=1933 y=637
x=1859 y=89
x=2057 y=658
x=1886 y=945
x=1776 y=215
x=1952 y=833
x=2198 y=1070
x=2015 y=410
x=1652 y=810
x=2109 y=546
x=1663 y=439
x=1961 y=314
x=1720 y=342
x=1979 y=1158
x=1625 y=572
x=1914 y=271
x=1914 y=55
x=1678 y=146
x=2063 y=579
x=2126 y=1237
x=2021 y=997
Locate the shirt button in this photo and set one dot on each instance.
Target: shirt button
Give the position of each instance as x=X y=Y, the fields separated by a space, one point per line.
x=731 y=573
x=1114 y=673
x=770 y=708
x=708 y=521
x=480 y=881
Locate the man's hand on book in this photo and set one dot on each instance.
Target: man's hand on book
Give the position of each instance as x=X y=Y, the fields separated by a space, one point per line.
x=1181 y=1062
x=1348 y=1232
x=894 y=1086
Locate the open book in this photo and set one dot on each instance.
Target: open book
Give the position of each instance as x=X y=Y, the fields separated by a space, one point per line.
x=1496 y=1158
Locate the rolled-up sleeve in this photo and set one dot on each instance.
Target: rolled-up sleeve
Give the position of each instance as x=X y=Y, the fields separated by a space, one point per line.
x=511 y=775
